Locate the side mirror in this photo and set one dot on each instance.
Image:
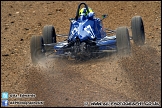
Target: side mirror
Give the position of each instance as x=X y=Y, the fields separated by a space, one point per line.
x=71 y=19
x=104 y=16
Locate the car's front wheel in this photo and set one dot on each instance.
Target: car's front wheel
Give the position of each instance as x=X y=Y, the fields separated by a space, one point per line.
x=36 y=48
x=123 y=41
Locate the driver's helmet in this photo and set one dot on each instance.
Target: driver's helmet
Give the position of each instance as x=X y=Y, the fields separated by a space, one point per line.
x=84 y=12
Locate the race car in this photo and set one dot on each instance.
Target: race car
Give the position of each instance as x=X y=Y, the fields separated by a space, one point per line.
x=87 y=37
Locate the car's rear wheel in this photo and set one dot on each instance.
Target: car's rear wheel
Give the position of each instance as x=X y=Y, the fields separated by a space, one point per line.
x=138 y=33
x=49 y=34
x=123 y=41
x=36 y=48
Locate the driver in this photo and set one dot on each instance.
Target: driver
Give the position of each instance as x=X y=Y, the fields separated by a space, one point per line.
x=84 y=12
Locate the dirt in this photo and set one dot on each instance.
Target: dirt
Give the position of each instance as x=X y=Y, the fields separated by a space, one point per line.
x=61 y=82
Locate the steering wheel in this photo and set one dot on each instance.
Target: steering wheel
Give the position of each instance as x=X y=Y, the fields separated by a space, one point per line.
x=77 y=14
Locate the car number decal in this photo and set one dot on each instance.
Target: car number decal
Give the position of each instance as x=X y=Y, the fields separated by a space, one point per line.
x=89 y=30
x=73 y=32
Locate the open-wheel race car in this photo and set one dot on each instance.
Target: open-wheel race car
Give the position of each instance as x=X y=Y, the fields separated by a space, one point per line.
x=86 y=37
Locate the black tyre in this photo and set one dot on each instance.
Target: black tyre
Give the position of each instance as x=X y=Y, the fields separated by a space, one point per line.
x=49 y=34
x=138 y=33
x=123 y=41
x=36 y=48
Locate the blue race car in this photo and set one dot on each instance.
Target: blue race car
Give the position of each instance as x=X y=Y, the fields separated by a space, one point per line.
x=86 y=37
